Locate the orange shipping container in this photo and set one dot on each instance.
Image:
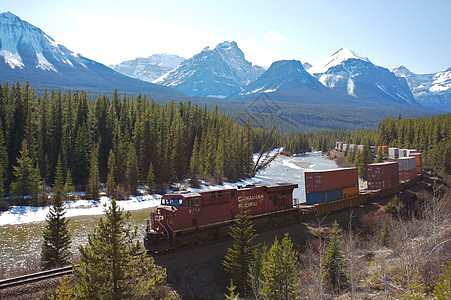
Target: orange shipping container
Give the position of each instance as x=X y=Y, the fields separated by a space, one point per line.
x=350 y=191
x=419 y=162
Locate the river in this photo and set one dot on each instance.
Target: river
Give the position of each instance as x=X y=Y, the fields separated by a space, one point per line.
x=21 y=232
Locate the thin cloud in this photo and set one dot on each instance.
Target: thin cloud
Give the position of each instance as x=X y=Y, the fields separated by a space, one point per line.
x=274 y=36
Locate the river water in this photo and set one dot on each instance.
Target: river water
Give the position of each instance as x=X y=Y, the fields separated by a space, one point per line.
x=20 y=243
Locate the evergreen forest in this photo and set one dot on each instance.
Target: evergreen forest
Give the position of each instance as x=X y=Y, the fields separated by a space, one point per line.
x=128 y=139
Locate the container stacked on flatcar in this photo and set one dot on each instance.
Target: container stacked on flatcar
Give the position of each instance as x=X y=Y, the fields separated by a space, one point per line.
x=339 y=145
x=382 y=175
x=403 y=153
x=407 y=168
x=383 y=150
x=393 y=153
x=331 y=185
x=418 y=161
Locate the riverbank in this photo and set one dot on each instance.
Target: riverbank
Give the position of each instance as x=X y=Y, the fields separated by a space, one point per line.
x=339 y=158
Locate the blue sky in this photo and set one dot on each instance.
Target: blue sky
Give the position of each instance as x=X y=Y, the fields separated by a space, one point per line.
x=389 y=32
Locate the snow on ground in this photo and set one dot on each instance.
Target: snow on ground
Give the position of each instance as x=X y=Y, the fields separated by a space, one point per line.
x=28 y=214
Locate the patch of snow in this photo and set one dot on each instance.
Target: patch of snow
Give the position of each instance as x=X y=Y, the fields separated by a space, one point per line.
x=44 y=64
x=351 y=87
x=403 y=97
x=336 y=59
x=442 y=82
x=12 y=59
x=28 y=214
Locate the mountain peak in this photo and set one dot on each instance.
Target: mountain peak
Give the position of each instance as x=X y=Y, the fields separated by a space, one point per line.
x=336 y=59
x=345 y=53
x=216 y=72
x=9 y=15
x=227 y=44
x=149 y=68
x=286 y=77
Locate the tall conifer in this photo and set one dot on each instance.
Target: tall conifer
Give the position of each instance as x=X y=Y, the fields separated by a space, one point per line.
x=26 y=175
x=150 y=179
x=334 y=266
x=110 y=265
x=280 y=270
x=238 y=258
x=56 y=244
x=132 y=172
x=69 y=190
x=3 y=162
x=110 y=180
x=94 y=177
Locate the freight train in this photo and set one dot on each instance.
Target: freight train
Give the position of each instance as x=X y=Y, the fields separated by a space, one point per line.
x=185 y=218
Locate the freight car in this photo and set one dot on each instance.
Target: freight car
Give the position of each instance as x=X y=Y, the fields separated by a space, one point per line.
x=190 y=217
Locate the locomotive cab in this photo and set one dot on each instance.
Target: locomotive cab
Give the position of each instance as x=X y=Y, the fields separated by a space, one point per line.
x=176 y=211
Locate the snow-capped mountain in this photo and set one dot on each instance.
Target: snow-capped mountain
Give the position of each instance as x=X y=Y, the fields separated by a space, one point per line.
x=27 y=53
x=285 y=77
x=148 y=68
x=216 y=72
x=432 y=90
x=355 y=75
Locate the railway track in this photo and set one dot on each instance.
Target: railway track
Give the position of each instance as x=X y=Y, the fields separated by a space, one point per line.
x=55 y=273
x=35 y=277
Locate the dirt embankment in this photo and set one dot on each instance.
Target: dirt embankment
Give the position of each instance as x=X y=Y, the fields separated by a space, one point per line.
x=339 y=158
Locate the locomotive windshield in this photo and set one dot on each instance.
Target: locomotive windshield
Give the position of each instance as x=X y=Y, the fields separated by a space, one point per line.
x=173 y=202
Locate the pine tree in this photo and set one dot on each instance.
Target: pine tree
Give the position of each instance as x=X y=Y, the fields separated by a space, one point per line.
x=238 y=257
x=132 y=172
x=150 y=179
x=69 y=190
x=110 y=180
x=94 y=177
x=56 y=244
x=219 y=162
x=379 y=157
x=231 y=288
x=385 y=234
x=256 y=270
x=110 y=266
x=280 y=270
x=3 y=163
x=194 y=162
x=334 y=266
x=26 y=175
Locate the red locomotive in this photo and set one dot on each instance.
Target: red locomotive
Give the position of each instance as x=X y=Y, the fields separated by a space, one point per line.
x=187 y=217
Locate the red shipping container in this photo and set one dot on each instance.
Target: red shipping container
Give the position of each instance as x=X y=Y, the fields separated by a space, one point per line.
x=382 y=171
x=328 y=180
x=383 y=183
x=407 y=175
x=419 y=162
